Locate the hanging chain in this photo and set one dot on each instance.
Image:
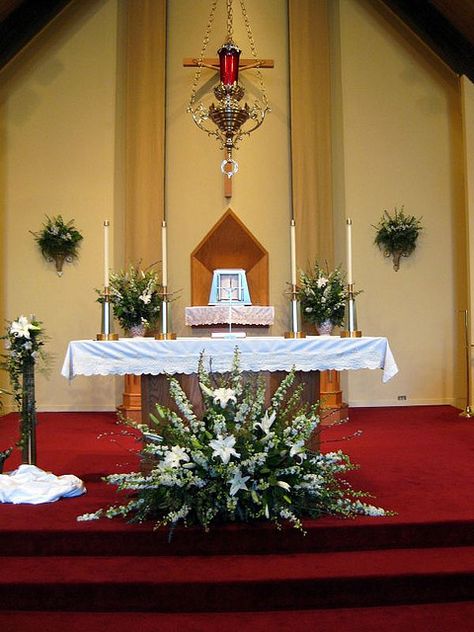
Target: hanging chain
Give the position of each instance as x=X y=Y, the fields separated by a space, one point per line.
x=230 y=21
x=205 y=42
x=253 y=50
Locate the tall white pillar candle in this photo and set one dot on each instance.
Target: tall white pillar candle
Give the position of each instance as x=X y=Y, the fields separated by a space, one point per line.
x=106 y=252
x=164 y=255
x=349 y=250
x=293 y=251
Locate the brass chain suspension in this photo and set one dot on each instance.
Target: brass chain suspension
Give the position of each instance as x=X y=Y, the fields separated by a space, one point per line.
x=253 y=51
x=205 y=43
x=230 y=21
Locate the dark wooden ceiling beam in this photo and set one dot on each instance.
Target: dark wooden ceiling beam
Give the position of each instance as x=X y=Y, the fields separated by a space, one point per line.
x=24 y=20
x=455 y=48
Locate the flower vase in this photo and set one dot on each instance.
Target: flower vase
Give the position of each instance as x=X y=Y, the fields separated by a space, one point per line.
x=137 y=331
x=396 y=256
x=325 y=328
x=59 y=259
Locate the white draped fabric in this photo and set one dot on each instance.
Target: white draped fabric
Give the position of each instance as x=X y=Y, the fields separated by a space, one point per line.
x=31 y=485
x=140 y=356
x=237 y=314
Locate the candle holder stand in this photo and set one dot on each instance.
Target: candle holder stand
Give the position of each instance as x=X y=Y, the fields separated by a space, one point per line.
x=165 y=334
x=106 y=319
x=351 y=330
x=468 y=412
x=295 y=315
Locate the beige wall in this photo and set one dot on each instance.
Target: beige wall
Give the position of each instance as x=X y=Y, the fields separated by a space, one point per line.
x=398 y=141
x=58 y=156
x=194 y=187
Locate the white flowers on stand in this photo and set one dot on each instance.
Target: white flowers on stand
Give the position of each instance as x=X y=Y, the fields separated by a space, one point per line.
x=22 y=327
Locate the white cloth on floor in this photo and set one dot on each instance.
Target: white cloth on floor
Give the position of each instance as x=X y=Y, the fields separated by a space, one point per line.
x=32 y=485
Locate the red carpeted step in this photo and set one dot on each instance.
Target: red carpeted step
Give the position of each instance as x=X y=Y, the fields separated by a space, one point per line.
x=324 y=535
x=434 y=617
x=416 y=460
x=235 y=583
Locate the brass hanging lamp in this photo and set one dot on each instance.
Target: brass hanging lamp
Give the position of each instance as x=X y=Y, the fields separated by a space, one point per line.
x=226 y=118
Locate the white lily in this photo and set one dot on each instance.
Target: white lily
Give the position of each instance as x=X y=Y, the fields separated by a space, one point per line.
x=284 y=485
x=297 y=448
x=223 y=447
x=221 y=396
x=238 y=482
x=174 y=457
x=266 y=423
x=145 y=298
x=21 y=328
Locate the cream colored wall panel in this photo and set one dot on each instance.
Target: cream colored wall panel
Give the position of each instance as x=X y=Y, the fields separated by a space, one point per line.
x=399 y=127
x=59 y=158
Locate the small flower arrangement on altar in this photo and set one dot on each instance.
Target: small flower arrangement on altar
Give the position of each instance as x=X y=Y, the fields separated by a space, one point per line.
x=397 y=234
x=59 y=241
x=136 y=297
x=323 y=294
x=24 y=342
x=239 y=461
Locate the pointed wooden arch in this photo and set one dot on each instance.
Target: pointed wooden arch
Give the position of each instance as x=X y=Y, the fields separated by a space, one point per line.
x=229 y=244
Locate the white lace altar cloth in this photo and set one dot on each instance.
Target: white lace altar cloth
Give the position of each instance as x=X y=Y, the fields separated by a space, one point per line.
x=31 y=485
x=219 y=315
x=138 y=356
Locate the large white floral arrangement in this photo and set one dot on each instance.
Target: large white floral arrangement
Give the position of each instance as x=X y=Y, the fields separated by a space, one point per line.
x=240 y=461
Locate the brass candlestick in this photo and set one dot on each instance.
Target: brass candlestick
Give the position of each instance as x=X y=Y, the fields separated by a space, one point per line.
x=351 y=330
x=295 y=315
x=467 y=412
x=106 y=319
x=165 y=334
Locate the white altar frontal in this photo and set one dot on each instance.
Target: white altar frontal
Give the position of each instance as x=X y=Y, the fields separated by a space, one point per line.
x=154 y=360
x=139 y=356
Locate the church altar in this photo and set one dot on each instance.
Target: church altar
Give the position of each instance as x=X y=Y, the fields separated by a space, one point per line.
x=272 y=357
x=141 y=356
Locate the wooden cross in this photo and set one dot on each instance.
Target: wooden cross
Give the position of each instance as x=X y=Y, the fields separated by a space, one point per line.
x=213 y=64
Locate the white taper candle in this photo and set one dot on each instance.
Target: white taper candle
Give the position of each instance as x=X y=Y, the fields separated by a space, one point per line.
x=349 y=250
x=164 y=255
x=293 y=251
x=106 y=252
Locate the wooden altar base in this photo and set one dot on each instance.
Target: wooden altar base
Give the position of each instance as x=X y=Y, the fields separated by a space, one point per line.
x=131 y=407
x=155 y=389
x=333 y=409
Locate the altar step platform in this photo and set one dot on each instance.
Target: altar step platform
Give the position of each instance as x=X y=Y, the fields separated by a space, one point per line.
x=411 y=571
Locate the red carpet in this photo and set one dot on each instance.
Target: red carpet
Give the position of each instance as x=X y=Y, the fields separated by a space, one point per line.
x=413 y=570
